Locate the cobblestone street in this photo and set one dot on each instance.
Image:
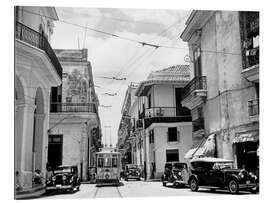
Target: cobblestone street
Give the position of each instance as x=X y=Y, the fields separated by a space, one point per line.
x=134 y=189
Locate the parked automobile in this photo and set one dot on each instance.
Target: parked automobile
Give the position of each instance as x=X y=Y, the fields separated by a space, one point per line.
x=132 y=172
x=175 y=174
x=64 y=178
x=216 y=173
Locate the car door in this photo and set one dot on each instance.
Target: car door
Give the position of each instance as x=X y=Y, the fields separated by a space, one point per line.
x=215 y=177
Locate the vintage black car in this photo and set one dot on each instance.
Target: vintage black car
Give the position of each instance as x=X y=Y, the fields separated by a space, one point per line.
x=64 y=178
x=132 y=172
x=216 y=173
x=175 y=173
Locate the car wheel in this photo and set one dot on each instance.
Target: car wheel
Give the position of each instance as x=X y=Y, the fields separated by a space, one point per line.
x=233 y=186
x=164 y=184
x=194 y=185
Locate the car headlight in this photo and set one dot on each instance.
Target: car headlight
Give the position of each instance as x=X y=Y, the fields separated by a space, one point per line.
x=241 y=175
x=252 y=175
x=64 y=177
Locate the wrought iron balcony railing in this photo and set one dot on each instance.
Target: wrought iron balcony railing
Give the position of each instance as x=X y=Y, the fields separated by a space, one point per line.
x=164 y=112
x=72 y=107
x=38 y=40
x=197 y=83
x=253 y=107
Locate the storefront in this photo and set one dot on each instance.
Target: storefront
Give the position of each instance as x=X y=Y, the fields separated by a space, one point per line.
x=246 y=147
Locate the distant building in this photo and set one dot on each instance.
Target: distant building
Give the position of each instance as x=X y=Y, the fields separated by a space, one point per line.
x=166 y=123
x=223 y=95
x=74 y=135
x=125 y=131
x=155 y=127
x=37 y=69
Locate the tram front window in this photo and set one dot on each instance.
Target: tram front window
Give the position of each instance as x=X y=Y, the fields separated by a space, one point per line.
x=107 y=162
x=100 y=162
x=114 y=162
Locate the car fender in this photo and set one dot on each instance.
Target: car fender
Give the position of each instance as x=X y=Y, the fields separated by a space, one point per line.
x=230 y=177
x=193 y=176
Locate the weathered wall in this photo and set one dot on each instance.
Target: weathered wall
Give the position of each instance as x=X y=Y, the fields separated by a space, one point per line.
x=161 y=145
x=227 y=90
x=163 y=96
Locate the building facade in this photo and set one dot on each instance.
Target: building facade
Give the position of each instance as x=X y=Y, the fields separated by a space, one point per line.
x=126 y=136
x=160 y=127
x=37 y=69
x=166 y=123
x=223 y=95
x=74 y=134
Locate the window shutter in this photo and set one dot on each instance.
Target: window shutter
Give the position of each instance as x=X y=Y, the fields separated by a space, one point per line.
x=178 y=136
x=168 y=136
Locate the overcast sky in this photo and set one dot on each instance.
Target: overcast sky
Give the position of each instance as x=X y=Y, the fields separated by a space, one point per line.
x=112 y=56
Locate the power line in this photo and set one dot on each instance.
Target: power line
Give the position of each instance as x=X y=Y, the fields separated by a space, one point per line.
x=125 y=20
x=130 y=39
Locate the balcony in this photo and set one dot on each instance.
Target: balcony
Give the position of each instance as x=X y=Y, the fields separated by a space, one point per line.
x=39 y=41
x=251 y=70
x=195 y=92
x=253 y=109
x=73 y=107
x=164 y=115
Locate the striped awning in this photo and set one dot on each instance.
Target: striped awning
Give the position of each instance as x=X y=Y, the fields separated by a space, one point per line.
x=206 y=150
x=252 y=136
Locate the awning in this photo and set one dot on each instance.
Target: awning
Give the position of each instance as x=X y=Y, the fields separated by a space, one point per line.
x=190 y=152
x=208 y=149
x=246 y=137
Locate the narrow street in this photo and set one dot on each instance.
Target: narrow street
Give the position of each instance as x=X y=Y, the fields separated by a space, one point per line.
x=134 y=189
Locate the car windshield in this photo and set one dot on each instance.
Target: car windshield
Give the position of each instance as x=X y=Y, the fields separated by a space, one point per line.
x=132 y=167
x=219 y=166
x=180 y=165
x=62 y=170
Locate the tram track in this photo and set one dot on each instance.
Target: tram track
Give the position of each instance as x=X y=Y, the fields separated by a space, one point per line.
x=106 y=191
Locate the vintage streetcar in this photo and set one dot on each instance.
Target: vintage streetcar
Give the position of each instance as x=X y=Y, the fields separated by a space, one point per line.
x=108 y=167
x=216 y=173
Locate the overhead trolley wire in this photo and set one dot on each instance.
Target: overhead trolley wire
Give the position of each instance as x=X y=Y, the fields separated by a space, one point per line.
x=129 y=39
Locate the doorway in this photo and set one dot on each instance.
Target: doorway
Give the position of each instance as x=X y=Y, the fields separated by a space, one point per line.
x=55 y=148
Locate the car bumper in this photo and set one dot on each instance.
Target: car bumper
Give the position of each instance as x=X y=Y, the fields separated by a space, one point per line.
x=248 y=186
x=133 y=177
x=59 y=187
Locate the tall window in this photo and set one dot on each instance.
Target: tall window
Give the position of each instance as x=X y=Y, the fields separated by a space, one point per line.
x=149 y=101
x=151 y=136
x=173 y=134
x=172 y=155
x=197 y=61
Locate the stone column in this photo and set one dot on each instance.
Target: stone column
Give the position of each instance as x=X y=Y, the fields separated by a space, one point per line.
x=27 y=144
x=39 y=141
x=147 y=160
